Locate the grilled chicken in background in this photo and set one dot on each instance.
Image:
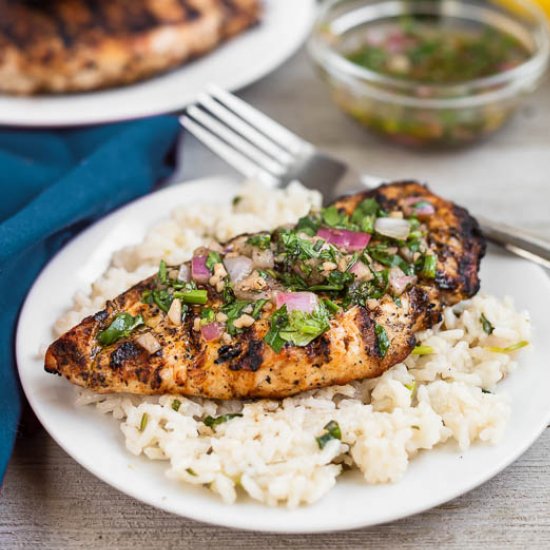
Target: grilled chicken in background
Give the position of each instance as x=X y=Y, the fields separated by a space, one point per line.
x=59 y=46
x=391 y=289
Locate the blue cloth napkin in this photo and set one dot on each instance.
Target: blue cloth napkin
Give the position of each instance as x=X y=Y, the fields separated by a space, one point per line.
x=52 y=184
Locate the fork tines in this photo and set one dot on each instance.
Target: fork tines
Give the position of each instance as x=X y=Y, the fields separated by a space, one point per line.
x=248 y=140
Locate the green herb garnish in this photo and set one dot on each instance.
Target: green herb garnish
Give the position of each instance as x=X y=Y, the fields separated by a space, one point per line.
x=488 y=327
x=296 y=327
x=308 y=225
x=422 y=350
x=331 y=431
x=429 y=266
x=144 y=421
x=508 y=349
x=162 y=298
x=197 y=297
x=332 y=217
x=212 y=421
x=362 y=219
x=258 y=308
x=191 y=472
x=121 y=327
x=336 y=281
x=365 y=215
x=212 y=259
x=207 y=315
x=331 y=306
x=261 y=241
x=381 y=255
x=279 y=320
x=234 y=310
x=176 y=404
x=382 y=339
x=162 y=273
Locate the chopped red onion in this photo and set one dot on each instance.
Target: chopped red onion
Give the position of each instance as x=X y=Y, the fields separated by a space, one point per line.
x=342 y=238
x=238 y=267
x=420 y=206
x=212 y=331
x=299 y=301
x=199 y=271
x=399 y=281
x=395 y=228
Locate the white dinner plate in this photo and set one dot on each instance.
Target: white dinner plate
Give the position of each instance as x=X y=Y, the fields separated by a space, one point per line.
x=96 y=442
x=235 y=64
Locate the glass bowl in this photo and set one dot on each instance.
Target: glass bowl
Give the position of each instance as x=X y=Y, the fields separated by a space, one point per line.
x=415 y=113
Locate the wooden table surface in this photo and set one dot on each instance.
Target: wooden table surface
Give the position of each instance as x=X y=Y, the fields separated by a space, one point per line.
x=49 y=501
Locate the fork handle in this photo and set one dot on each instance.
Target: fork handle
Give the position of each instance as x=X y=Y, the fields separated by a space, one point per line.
x=517 y=241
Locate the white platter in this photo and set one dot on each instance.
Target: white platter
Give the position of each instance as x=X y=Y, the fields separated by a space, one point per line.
x=96 y=442
x=233 y=65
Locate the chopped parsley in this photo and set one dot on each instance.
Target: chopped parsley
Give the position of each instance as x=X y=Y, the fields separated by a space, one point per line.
x=423 y=350
x=365 y=215
x=308 y=225
x=233 y=311
x=257 y=310
x=336 y=281
x=381 y=339
x=144 y=421
x=162 y=275
x=362 y=219
x=333 y=217
x=176 y=404
x=296 y=327
x=331 y=431
x=121 y=327
x=360 y=293
x=294 y=247
x=279 y=320
x=212 y=259
x=207 y=316
x=261 y=241
x=488 y=327
x=212 y=421
x=161 y=297
x=381 y=255
x=508 y=349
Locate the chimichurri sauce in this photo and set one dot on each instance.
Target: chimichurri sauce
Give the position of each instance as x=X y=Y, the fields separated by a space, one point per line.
x=432 y=52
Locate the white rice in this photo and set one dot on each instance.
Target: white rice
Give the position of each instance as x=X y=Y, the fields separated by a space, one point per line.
x=271 y=452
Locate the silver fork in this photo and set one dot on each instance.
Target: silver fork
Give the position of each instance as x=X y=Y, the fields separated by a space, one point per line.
x=258 y=147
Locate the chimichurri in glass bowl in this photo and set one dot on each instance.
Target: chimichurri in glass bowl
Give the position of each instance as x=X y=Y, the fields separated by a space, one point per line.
x=430 y=72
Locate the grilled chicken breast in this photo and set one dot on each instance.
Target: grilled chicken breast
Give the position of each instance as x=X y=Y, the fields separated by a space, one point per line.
x=367 y=331
x=62 y=46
